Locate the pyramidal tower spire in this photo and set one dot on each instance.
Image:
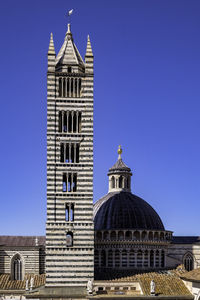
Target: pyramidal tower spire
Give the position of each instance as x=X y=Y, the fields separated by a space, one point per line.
x=69 y=55
x=51 y=46
x=51 y=55
x=89 y=48
x=89 y=58
x=68 y=33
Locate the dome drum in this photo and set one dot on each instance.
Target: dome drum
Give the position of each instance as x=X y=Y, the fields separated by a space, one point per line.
x=133 y=236
x=128 y=258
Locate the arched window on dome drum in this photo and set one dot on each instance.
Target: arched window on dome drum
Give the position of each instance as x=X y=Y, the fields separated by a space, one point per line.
x=157 y=258
x=124 y=258
x=163 y=259
x=151 y=258
x=120 y=182
x=117 y=258
x=128 y=235
x=151 y=235
x=188 y=262
x=113 y=235
x=96 y=258
x=16 y=267
x=103 y=258
x=105 y=235
x=162 y=236
x=156 y=236
x=144 y=235
x=120 y=235
x=132 y=258
x=99 y=235
x=112 y=182
x=139 y=259
x=110 y=258
x=136 y=235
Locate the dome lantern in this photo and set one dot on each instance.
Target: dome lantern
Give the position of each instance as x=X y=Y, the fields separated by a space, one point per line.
x=119 y=175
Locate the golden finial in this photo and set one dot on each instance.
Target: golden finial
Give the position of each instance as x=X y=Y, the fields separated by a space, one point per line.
x=119 y=151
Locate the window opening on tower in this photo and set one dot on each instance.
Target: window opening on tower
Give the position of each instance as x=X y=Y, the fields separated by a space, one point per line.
x=69 y=121
x=69 y=182
x=69 y=239
x=69 y=87
x=69 y=212
x=69 y=153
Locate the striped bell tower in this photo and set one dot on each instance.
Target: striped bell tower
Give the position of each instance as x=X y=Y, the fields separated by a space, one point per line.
x=69 y=225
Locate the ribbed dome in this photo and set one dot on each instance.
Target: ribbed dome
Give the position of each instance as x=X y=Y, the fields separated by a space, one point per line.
x=123 y=210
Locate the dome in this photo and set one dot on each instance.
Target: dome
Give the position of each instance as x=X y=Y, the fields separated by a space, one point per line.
x=124 y=210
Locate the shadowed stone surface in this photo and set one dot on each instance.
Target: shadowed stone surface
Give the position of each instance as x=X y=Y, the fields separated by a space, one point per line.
x=123 y=210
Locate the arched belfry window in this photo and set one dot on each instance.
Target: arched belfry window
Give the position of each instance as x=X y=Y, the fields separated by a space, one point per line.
x=16 y=267
x=188 y=262
x=69 y=87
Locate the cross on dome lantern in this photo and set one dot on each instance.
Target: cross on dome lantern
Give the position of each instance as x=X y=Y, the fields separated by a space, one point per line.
x=119 y=151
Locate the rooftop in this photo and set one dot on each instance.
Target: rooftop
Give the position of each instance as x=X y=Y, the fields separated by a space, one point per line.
x=185 y=239
x=168 y=283
x=193 y=275
x=7 y=284
x=21 y=241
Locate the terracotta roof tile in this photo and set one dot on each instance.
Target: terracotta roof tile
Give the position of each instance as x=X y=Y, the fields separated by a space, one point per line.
x=167 y=282
x=193 y=275
x=21 y=241
x=7 y=284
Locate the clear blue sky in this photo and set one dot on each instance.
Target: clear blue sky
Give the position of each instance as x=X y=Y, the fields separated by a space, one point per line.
x=147 y=98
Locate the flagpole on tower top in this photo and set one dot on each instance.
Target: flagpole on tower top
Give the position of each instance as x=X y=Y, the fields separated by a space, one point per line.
x=69 y=15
